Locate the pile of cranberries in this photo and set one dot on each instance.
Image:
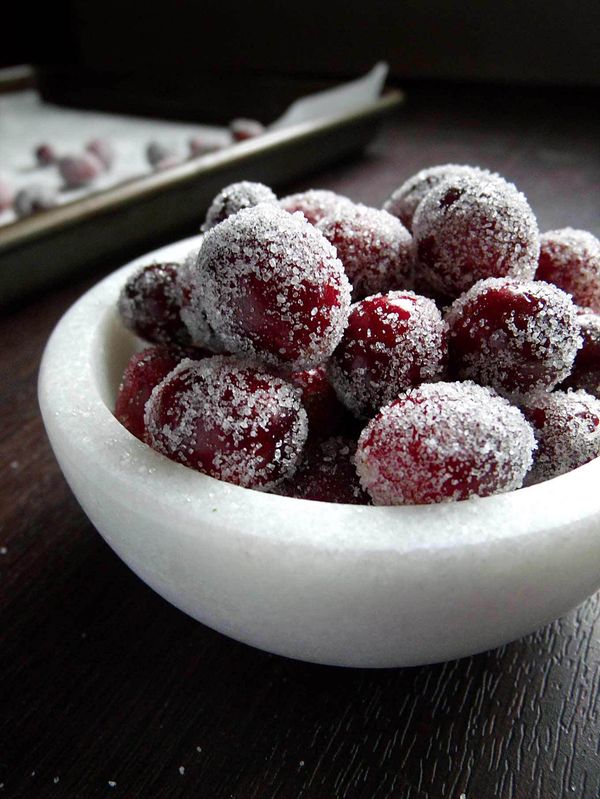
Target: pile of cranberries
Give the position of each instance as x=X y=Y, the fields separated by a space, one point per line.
x=432 y=351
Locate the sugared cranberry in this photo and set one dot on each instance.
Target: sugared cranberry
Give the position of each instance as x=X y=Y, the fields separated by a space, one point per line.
x=326 y=414
x=405 y=199
x=79 y=170
x=327 y=474
x=234 y=198
x=571 y=260
x=272 y=288
x=516 y=336
x=242 y=129
x=33 y=199
x=228 y=419
x=442 y=442
x=315 y=204
x=6 y=195
x=392 y=341
x=586 y=369
x=104 y=151
x=150 y=304
x=201 y=145
x=472 y=227
x=144 y=371
x=567 y=429
x=158 y=151
x=374 y=246
x=45 y=155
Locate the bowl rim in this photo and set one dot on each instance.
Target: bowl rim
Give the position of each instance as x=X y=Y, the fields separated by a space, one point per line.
x=79 y=344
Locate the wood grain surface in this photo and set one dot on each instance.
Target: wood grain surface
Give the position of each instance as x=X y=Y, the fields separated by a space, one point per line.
x=108 y=691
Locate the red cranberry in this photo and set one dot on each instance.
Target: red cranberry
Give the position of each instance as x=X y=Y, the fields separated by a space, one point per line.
x=327 y=474
x=144 y=371
x=79 y=170
x=45 y=155
x=150 y=304
x=393 y=341
x=512 y=335
x=272 y=288
x=201 y=145
x=442 y=442
x=242 y=129
x=571 y=260
x=33 y=199
x=228 y=419
x=103 y=150
x=315 y=204
x=326 y=414
x=586 y=370
x=6 y=195
x=472 y=227
x=157 y=152
x=374 y=246
x=404 y=201
x=567 y=429
x=234 y=198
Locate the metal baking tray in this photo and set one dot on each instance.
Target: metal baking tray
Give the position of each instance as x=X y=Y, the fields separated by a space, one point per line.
x=41 y=250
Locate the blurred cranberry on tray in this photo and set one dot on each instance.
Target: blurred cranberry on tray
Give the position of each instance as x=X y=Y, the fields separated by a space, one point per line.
x=33 y=199
x=78 y=171
x=45 y=155
x=242 y=129
x=104 y=151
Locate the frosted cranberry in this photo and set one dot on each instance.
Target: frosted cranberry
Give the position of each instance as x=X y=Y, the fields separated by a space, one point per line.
x=79 y=170
x=228 y=419
x=515 y=336
x=234 y=198
x=571 y=260
x=327 y=474
x=103 y=150
x=326 y=414
x=150 y=304
x=405 y=199
x=472 y=227
x=6 y=195
x=315 y=204
x=144 y=371
x=374 y=246
x=586 y=369
x=272 y=288
x=392 y=341
x=242 y=129
x=45 y=155
x=33 y=199
x=567 y=429
x=201 y=145
x=442 y=442
x=193 y=315
x=157 y=152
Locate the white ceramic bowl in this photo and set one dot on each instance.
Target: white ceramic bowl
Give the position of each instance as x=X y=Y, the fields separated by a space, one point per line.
x=336 y=584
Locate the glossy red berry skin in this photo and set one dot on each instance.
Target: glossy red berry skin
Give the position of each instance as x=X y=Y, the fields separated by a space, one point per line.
x=150 y=305
x=144 y=371
x=571 y=260
x=516 y=336
x=327 y=474
x=228 y=419
x=472 y=227
x=444 y=442
x=326 y=414
x=272 y=288
x=567 y=429
x=392 y=341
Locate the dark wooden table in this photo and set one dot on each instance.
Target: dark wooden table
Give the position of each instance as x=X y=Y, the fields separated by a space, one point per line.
x=106 y=690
